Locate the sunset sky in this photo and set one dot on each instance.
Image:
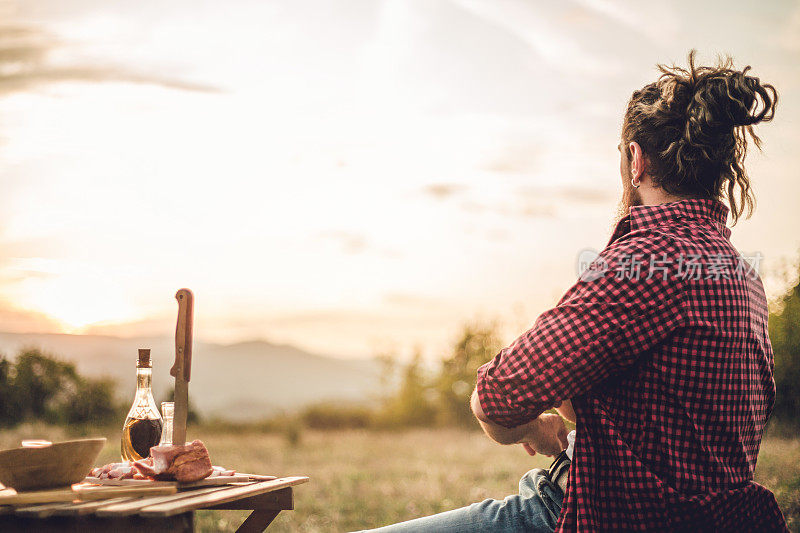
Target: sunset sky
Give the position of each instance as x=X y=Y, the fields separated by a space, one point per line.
x=349 y=177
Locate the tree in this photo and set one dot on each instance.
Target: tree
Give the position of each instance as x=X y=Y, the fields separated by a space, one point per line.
x=40 y=387
x=95 y=403
x=412 y=404
x=45 y=386
x=9 y=400
x=784 y=333
x=477 y=344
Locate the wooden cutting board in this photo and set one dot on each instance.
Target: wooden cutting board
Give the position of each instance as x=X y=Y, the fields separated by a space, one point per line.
x=11 y=497
x=207 y=482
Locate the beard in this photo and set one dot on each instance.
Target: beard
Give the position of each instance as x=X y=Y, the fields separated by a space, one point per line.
x=630 y=198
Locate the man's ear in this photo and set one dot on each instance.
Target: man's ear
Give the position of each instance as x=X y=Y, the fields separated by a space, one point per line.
x=638 y=160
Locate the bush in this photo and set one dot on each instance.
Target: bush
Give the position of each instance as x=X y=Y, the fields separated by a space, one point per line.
x=94 y=403
x=413 y=404
x=784 y=332
x=39 y=387
x=476 y=345
x=440 y=396
x=327 y=416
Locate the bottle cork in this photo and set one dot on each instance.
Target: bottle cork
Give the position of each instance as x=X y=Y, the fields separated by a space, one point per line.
x=144 y=358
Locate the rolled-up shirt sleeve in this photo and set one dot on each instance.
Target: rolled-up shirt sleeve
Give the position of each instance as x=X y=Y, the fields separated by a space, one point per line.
x=601 y=326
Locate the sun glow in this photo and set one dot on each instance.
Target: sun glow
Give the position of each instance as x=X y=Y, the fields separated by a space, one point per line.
x=75 y=296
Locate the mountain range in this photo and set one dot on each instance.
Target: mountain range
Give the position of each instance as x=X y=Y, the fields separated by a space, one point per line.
x=243 y=381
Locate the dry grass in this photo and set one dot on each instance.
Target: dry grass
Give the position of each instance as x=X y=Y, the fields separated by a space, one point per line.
x=779 y=469
x=363 y=479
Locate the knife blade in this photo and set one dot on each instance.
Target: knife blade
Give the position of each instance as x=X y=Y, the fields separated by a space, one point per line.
x=182 y=368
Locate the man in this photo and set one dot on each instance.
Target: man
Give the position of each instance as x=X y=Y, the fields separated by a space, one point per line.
x=659 y=352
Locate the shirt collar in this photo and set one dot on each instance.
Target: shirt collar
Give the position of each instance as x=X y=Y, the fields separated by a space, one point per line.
x=649 y=216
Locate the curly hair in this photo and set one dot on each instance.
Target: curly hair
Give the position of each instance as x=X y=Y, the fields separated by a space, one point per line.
x=692 y=125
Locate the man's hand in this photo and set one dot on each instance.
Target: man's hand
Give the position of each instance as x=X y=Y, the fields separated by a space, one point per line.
x=546 y=435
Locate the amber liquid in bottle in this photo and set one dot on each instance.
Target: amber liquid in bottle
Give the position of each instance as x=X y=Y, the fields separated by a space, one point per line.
x=142 y=428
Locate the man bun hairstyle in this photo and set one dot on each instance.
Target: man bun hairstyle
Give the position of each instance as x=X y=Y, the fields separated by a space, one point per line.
x=692 y=125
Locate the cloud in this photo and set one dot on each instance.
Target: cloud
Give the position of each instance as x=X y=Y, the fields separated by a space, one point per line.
x=789 y=36
x=405 y=299
x=536 y=201
x=613 y=11
x=23 y=248
x=22 y=81
x=350 y=243
x=639 y=19
x=474 y=207
x=526 y=22
x=537 y=210
x=22 y=260
x=519 y=159
x=442 y=191
x=520 y=206
x=16 y=320
x=26 y=62
x=158 y=326
x=571 y=193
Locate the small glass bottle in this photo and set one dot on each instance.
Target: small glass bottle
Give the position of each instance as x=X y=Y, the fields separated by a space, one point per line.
x=142 y=428
x=168 y=412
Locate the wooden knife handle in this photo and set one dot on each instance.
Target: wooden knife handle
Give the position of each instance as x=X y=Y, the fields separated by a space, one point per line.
x=183 y=335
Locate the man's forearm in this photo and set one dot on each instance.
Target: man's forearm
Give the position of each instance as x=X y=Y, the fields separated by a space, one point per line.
x=504 y=435
x=545 y=434
x=496 y=432
x=566 y=410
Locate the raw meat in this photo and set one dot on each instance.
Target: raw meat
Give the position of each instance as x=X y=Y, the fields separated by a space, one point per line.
x=114 y=471
x=186 y=463
x=219 y=471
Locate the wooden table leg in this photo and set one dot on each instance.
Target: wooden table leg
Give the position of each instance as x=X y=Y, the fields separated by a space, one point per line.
x=257 y=521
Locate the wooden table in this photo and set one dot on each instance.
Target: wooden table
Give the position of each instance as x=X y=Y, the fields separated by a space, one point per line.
x=174 y=512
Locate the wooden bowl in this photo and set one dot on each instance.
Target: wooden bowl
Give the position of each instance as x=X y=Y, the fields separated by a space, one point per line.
x=57 y=465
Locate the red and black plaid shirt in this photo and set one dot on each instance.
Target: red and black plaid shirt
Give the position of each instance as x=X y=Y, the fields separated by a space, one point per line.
x=662 y=346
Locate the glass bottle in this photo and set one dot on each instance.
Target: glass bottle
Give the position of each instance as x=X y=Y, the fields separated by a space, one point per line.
x=142 y=428
x=168 y=412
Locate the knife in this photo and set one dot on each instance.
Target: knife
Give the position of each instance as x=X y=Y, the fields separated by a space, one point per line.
x=183 y=364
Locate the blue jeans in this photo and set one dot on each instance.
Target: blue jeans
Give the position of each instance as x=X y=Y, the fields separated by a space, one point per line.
x=535 y=509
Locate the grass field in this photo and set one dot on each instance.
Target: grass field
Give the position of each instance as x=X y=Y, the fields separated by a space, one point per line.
x=363 y=479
